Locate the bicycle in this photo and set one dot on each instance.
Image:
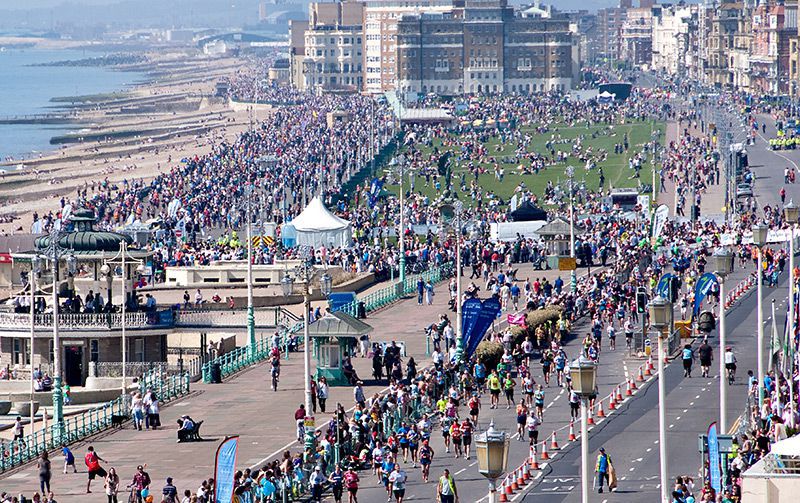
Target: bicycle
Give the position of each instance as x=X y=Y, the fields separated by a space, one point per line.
x=275 y=375
x=730 y=371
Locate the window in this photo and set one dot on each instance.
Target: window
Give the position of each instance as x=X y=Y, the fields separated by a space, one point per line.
x=138 y=349
x=22 y=351
x=94 y=350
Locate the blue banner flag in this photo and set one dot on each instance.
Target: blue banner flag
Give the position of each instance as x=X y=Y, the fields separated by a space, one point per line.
x=704 y=285
x=713 y=458
x=375 y=190
x=489 y=311
x=225 y=470
x=662 y=288
x=470 y=310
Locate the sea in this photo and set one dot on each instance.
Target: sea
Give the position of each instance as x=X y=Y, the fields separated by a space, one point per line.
x=27 y=90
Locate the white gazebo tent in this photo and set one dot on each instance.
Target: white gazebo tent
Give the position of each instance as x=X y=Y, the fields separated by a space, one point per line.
x=316 y=226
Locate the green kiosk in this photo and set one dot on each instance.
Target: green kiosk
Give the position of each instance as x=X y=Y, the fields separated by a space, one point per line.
x=335 y=336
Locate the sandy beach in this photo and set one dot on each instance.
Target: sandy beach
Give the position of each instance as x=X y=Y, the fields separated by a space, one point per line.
x=135 y=134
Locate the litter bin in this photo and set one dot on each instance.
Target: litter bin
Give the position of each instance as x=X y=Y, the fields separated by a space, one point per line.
x=216 y=373
x=362 y=310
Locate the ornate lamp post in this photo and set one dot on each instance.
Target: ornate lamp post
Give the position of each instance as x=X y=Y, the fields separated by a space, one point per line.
x=660 y=315
x=122 y=257
x=491 y=448
x=573 y=280
x=759 y=240
x=36 y=269
x=791 y=214
x=452 y=214
x=304 y=276
x=53 y=252
x=583 y=373
x=722 y=261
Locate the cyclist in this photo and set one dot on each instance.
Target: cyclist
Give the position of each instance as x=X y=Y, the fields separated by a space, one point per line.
x=730 y=364
x=275 y=363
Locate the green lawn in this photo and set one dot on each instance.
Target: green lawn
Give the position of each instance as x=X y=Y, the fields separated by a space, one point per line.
x=615 y=167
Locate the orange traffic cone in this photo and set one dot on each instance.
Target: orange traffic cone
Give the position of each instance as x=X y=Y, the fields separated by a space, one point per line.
x=545 y=456
x=618 y=396
x=612 y=404
x=628 y=391
x=648 y=368
x=553 y=443
x=533 y=462
x=640 y=377
x=503 y=496
x=514 y=485
x=571 y=437
x=526 y=473
x=521 y=477
x=509 y=486
x=589 y=417
x=633 y=383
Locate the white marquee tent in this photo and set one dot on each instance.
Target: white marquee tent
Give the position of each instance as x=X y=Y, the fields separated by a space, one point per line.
x=316 y=226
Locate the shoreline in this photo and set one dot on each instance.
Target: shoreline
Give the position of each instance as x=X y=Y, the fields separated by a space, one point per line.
x=136 y=133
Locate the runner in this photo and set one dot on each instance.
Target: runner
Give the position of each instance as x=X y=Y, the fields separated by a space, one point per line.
x=426 y=455
x=466 y=436
x=351 y=482
x=538 y=400
x=522 y=416
x=508 y=387
x=494 y=389
x=336 y=480
x=397 y=482
x=455 y=434
x=706 y=354
x=532 y=426
x=474 y=405
x=687 y=355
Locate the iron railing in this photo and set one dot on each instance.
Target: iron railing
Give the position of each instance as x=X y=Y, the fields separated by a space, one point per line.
x=397 y=291
x=80 y=426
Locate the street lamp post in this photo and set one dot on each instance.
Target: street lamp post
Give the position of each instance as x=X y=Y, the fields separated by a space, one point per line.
x=454 y=211
x=573 y=280
x=36 y=269
x=791 y=213
x=583 y=373
x=491 y=449
x=660 y=313
x=723 y=265
x=251 y=321
x=759 y=240
x=304 y=275
x=401 y=160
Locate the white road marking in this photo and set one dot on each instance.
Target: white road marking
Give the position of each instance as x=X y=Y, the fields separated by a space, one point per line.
x=461 y=471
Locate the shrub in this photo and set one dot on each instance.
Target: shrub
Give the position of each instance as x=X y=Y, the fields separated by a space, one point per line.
x=490 y=353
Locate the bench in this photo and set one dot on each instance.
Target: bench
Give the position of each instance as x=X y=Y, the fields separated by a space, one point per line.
x=193 y=435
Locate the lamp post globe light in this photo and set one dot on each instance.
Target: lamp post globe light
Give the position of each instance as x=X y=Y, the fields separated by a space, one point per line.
x=759 y=240
x=304 y=275
x=791 y=214
x=660 y=314
x=722 y=263
x=491 y=449
x=583 y=375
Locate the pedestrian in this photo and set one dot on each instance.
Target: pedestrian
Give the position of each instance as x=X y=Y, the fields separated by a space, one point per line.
x=706 y=354
x=111 y=485
x=44 y=472
x=19 y=431
x=299 y=419
x=169 y=492
x=140 y=483
x=69 y=459
x=315 y=484
x=687 y=355
x=322 y=393
x=92 y=461
x=446 y=491
x=602 y=470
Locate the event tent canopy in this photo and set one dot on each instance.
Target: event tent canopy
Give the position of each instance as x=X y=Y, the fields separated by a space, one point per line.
x=316 y=226
x=527 y=212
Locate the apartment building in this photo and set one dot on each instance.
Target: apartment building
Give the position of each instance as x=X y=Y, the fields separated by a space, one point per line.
x=609 y=32
x=672 y=29
x=637 y=37
x=773 y=24
x=332 y=47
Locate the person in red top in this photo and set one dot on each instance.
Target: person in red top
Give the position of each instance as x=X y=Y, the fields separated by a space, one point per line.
x=92 y=460
x=351 y=483
x=299 y=418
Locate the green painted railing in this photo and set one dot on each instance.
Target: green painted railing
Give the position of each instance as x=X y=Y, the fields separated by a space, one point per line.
x=242 y=357
x=79 y=426
x=395 y=292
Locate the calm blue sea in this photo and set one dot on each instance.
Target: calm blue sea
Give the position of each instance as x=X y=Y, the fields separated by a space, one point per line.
x=27 y=90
